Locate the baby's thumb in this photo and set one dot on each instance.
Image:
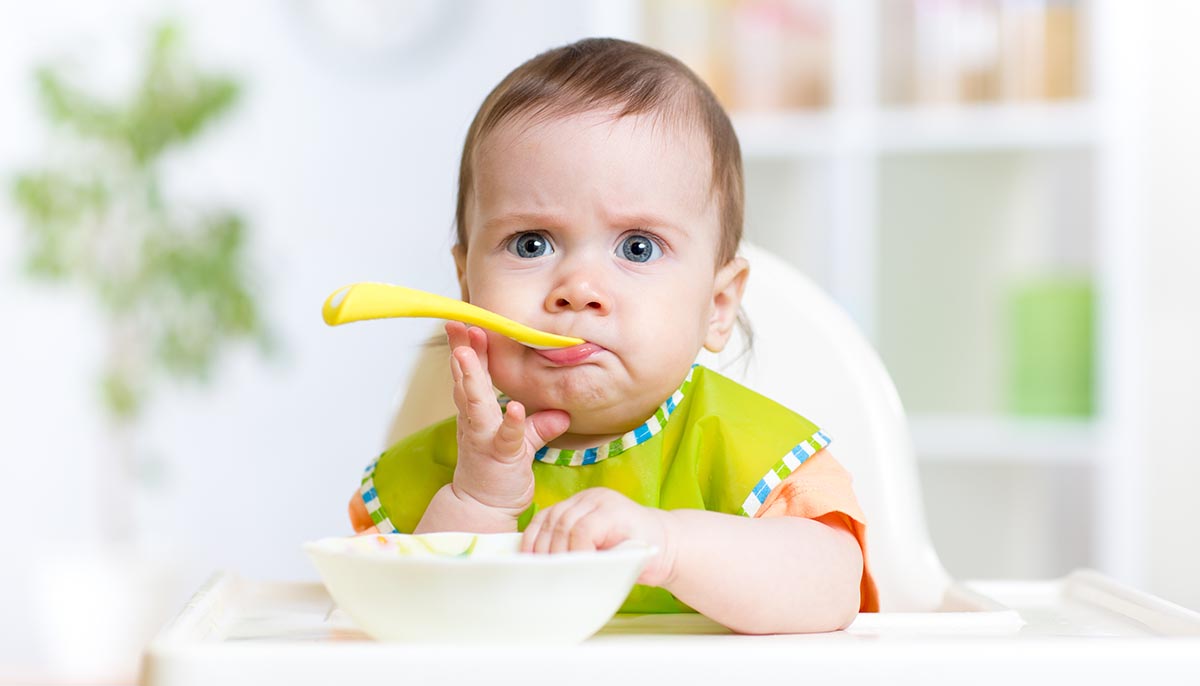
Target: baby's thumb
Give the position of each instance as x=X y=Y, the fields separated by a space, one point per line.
x=545 y=426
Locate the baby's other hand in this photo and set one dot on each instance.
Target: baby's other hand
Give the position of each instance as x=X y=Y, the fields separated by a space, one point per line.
x=598 y=519
x=495 y=449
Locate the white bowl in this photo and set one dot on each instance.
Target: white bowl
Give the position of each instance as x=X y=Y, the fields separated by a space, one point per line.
x=476 y=588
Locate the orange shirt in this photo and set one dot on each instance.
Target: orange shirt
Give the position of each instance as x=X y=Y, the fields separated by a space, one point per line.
x=819 y=488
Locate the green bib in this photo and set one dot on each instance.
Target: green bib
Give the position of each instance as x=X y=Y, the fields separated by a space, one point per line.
x=713 y=445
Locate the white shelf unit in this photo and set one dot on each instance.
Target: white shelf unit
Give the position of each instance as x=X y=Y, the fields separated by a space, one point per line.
x=841 y=190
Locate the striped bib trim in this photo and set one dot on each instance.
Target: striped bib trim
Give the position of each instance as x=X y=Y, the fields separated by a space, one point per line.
x=790 y=462
x=371 y=500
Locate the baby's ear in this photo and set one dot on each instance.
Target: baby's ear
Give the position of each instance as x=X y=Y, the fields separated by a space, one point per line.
x=459 y=252
x=728 y=287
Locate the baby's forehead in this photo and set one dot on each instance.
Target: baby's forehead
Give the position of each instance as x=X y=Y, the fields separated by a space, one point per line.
x=660 y=127
x=642 y=155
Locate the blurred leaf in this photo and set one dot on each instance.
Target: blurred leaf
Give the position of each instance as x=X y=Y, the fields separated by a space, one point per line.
x=202 y=273
x=65 y=104
x=121 y=397
x=56 y=207
x=174 y=286
x=174 y=101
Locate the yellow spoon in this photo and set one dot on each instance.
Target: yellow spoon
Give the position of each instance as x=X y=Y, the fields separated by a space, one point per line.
x=360 y=301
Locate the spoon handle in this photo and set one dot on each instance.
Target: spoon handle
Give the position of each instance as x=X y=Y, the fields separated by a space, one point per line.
x=367 y=300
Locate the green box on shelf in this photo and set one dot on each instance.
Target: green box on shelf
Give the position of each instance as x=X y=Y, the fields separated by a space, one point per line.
x=1052 y=348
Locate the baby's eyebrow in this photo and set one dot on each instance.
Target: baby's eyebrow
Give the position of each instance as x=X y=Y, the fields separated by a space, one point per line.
x=635 y=220
x=522 y=219
x=645 y=220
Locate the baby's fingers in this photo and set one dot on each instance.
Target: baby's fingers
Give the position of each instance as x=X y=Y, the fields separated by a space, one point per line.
x=576 y=529
x=477 y=338
x=460 y=335
x=533 y=529
x=459 y=393
x=545 y=426
x=562 y=527
x=479 y=400
x=456 y=334
x=510 y=438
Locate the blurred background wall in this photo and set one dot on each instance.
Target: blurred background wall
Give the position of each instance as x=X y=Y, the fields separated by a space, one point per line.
x=999 y=192
x=343 y=157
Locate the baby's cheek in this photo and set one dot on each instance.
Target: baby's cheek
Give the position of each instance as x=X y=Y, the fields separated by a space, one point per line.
x=505 y=365
x=503 y=348
x=666 y=353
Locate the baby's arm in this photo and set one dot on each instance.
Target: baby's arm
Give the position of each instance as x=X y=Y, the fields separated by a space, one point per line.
x=772 y=575
x=767 y=575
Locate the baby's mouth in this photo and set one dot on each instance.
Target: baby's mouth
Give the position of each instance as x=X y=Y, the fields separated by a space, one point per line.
x=565 y=357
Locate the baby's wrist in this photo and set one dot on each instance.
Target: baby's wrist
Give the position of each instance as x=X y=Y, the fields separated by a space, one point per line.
x=498 y=513
x=449 y=512
x=668 y=556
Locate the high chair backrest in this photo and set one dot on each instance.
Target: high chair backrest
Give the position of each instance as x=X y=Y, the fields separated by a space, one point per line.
x=808 y=355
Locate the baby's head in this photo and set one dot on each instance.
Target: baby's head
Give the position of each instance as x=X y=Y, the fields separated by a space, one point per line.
x=601 y=196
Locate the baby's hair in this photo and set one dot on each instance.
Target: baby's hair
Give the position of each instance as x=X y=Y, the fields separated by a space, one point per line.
x=602 y=74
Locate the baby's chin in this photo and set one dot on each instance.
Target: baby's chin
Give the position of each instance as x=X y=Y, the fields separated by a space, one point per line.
x=574 y=390
x=581 y=391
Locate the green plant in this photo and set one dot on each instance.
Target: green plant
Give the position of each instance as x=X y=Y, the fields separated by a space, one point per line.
x=172 y=281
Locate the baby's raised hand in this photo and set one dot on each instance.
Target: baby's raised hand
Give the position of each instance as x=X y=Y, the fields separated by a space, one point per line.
x=495 y=449
x=598 y=519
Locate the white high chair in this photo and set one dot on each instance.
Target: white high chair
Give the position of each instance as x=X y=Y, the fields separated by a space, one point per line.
x=808 y=355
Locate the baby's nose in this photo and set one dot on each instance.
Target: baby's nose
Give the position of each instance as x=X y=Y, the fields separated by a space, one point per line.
x=578 y=295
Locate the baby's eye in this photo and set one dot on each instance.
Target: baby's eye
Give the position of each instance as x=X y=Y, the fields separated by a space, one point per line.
x=530 y=244
x=639 y=248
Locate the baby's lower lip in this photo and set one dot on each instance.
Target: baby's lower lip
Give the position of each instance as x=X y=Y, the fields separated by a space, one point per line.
x=569 y=356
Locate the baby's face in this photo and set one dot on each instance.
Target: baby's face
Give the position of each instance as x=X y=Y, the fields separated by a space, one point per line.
x=603 y=229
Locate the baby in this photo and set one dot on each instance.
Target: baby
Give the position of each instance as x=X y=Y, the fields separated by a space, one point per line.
x=600 y=196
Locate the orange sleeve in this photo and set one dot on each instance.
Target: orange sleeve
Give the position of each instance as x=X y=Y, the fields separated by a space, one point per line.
x=360 y=519
x=819 y=488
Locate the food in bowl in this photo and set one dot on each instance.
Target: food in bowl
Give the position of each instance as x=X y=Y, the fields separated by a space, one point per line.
x=474 y=588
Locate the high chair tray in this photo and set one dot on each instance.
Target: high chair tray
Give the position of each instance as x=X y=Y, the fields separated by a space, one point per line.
x=239 y=631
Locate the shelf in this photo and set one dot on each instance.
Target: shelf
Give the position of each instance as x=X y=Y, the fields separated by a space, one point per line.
x=772 y=135
x=986 y=127
x=976 y=438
